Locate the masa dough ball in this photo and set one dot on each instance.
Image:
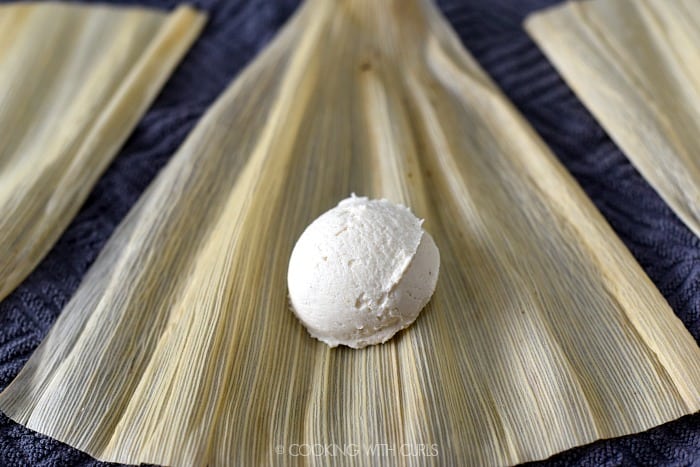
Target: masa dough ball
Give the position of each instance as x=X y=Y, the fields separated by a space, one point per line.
x=361 y=272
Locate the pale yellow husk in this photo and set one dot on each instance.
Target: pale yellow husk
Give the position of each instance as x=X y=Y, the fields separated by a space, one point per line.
x=636 y=65
x=543 y=334
x=74 y=81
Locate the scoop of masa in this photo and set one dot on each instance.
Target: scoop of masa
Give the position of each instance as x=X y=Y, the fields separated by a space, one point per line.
x=361 y=272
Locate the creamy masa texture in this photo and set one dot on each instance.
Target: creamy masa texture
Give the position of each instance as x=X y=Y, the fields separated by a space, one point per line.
x=361 y=272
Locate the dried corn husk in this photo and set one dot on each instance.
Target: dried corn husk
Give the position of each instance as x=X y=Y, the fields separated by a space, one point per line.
x=74 y=80
x=636 y=65
x=179 y=347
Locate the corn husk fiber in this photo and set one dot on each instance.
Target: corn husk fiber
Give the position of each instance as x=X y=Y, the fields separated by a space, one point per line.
x=74 y=81
x=635 y=64
x=179 y=347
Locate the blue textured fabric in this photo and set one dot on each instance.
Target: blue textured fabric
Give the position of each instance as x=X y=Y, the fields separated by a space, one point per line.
x=492 y=31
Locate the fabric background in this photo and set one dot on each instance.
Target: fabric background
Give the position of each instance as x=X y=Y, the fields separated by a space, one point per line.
x=492 y=31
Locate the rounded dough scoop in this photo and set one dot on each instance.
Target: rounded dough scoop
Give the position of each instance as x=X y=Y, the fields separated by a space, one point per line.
x=361 y=272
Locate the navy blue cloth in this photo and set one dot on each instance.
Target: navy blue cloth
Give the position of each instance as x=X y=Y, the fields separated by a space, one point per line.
x=492 y=31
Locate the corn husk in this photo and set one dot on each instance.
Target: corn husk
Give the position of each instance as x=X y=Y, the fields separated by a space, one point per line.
x=179 y=347
x=636 y=65
x=74 y=81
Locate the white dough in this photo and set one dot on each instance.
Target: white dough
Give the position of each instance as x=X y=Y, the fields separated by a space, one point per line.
x=361 y=272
